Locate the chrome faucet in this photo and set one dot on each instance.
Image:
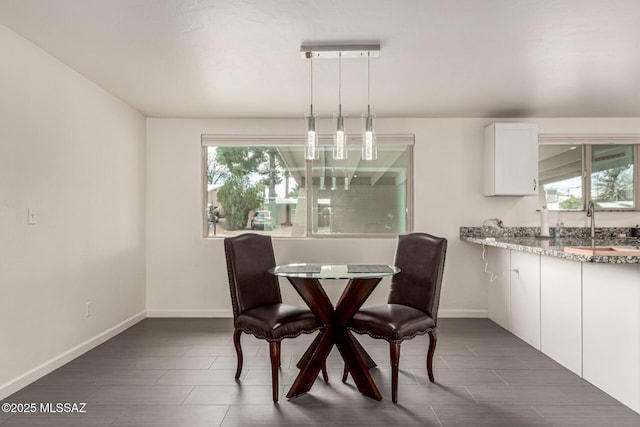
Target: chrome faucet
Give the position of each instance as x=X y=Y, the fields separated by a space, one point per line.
x=591 y=213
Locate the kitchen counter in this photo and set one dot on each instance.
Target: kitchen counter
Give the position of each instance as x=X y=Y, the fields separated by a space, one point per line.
x=523 y=239
x=536 y=292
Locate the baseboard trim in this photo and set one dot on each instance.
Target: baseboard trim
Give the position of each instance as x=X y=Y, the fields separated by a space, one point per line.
x=480 y=314
x=11 y=386
x=190 y=313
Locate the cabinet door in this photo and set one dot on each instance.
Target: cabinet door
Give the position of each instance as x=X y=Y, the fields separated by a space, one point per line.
x=497 y=280
x=611 y=358
x=561 y=311
x=511 y=159
x=525 y=297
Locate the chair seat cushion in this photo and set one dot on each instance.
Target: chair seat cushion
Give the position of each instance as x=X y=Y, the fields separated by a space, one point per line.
x=274 y=322
x=392 y=322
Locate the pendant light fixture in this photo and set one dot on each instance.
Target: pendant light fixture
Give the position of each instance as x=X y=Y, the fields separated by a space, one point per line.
x=340 y=149
x=369 y=146
x=311 y=151
x=340 y=137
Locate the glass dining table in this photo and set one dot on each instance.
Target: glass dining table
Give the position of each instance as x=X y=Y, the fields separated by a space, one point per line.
x=362 y=280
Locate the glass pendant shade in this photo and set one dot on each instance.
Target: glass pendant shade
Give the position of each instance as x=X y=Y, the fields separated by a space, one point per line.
x=340 y=138
x=322 y=185
x=346 y=183
x=369 y=146
x=334 y=183
x=311 y=151
x=311 y=140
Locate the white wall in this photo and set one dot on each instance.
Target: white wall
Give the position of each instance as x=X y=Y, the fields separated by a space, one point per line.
x=76 y=155
x=186 y=275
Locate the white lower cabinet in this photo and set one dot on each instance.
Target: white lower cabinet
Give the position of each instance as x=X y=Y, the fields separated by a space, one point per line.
x=525 y=297
x=611 y=330
x=497 y=278
x=561 y=311
x=586 y=316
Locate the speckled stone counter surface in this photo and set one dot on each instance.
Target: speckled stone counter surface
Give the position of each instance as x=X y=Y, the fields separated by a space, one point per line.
x=524 y=239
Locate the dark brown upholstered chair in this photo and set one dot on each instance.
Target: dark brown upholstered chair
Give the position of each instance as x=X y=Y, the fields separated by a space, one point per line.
x=412 y=306
x=257 y=302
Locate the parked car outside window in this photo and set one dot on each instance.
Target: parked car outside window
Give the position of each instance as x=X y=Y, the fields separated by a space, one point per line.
x=262 y=220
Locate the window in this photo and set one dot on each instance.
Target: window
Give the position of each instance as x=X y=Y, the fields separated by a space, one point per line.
x=574 y=170
x=560 y=176
x=264 y=185
x=612 y=176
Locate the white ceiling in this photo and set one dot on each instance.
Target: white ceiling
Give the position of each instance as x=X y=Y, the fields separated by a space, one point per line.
x=438 y=58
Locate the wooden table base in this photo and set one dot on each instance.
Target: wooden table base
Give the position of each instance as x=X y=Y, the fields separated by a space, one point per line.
x=335 y=319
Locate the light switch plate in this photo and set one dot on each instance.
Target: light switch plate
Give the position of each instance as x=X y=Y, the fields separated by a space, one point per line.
x=32 y=217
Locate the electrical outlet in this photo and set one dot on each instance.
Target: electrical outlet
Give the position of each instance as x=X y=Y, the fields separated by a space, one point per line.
x=87 y=309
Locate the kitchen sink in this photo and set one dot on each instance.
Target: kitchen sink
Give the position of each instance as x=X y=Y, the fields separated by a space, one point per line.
x=603 y=250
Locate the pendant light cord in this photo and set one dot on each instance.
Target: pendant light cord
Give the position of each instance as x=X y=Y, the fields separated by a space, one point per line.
x=368 y=83
x=340 y=83
x=311 y=85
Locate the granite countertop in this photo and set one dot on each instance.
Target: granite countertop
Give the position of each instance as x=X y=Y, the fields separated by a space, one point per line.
x=524 y=239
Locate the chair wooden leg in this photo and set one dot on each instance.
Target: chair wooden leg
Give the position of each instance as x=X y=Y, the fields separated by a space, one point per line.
x=325 y=375
x=274 y=352
x=236 y=343
x=394 y=352
x=345 y=373
x=433 y=339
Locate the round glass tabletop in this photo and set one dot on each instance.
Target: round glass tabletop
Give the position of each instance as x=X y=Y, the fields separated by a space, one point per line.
x=334 y=271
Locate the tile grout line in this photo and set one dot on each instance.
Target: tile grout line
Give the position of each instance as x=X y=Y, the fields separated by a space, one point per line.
x=445 y=362
x=537 y=411
x=498 y=375
x=157 y=380
x=436 y=415
x=225 y=416
x=215 y=359
x=193 y=387
x=471 y=351
x=471 y=394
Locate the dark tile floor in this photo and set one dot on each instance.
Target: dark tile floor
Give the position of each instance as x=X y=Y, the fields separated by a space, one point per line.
x=180 y=372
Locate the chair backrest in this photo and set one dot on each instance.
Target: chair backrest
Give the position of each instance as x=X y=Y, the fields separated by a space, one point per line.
x=420 y=258
x=249 y=257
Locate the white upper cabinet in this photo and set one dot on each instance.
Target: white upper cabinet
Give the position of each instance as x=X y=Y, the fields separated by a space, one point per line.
x=511 y=159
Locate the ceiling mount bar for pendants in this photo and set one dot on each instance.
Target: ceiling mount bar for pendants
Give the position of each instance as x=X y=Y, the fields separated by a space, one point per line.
x=333 y=51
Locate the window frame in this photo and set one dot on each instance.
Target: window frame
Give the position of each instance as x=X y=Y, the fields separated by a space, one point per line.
x=324 y=140
x=587 y=141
